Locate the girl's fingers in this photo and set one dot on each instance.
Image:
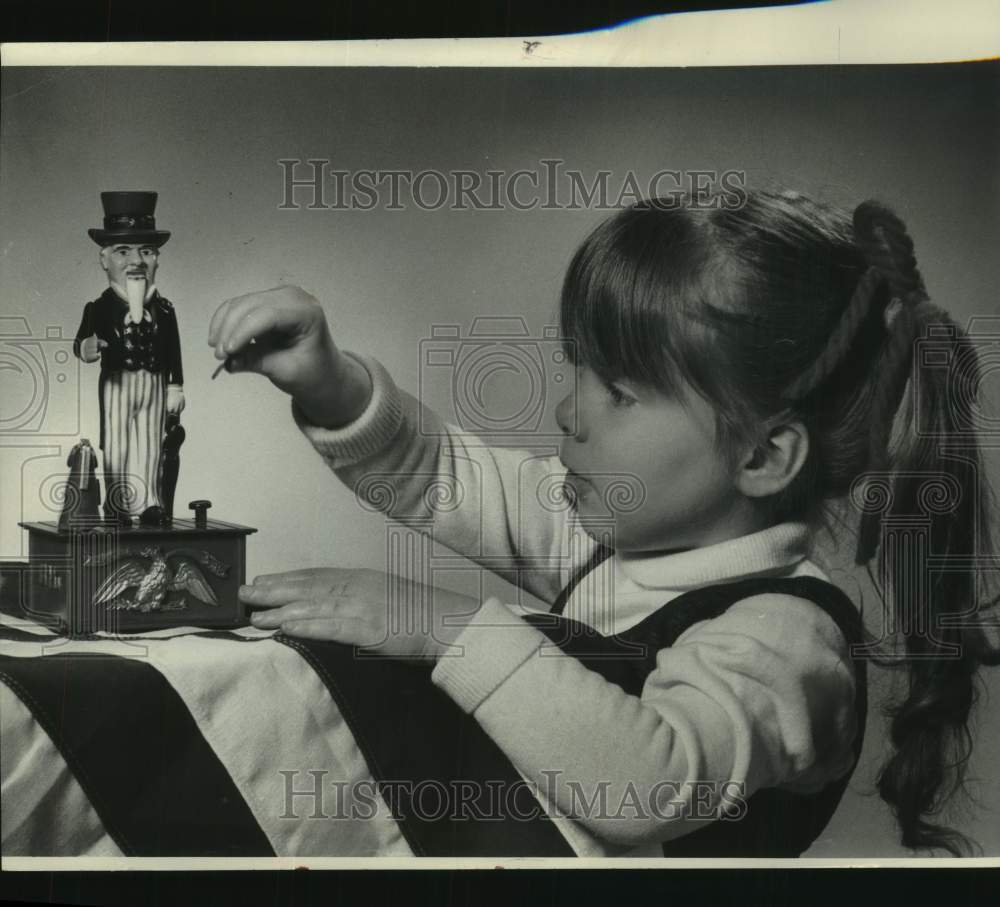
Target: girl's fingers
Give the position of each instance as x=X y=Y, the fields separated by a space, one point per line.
x=235 y=312
x=219 y=317
x=325 y=628
x=231 y=312
x=343 y=629
x=231 y=308
x=305 y=585
x=276 y=594
x=296 y=610
x=305 y=573
x=260 y=321
x=213 y=325
x=308 y=583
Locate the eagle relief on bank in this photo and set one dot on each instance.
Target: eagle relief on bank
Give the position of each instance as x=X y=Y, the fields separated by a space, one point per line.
x=150 y=573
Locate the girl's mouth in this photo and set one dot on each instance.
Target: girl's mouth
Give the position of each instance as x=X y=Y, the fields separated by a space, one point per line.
x=576 y=486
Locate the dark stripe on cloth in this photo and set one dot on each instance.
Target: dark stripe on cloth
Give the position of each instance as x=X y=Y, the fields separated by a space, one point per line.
x=130 y=741
x=417 y=743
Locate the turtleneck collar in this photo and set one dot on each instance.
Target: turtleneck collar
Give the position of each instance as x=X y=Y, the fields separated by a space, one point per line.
x=770 y=550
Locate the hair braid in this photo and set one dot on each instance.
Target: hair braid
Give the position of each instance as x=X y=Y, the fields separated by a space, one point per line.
x=888 y=248
x=841 y=339
x=884 y=239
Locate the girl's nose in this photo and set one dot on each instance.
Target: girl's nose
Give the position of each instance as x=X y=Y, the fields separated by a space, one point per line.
x=566 y=416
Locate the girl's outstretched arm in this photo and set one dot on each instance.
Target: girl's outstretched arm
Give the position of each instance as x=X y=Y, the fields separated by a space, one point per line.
x=497 y=506
x=762 y=696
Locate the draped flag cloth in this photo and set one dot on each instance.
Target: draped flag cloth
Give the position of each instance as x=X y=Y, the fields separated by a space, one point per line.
x=188 y=742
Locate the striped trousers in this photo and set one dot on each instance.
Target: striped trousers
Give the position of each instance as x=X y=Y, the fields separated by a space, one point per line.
x=133 y=408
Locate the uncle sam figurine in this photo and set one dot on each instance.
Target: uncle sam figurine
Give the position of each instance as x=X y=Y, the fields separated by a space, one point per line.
x=132 y=329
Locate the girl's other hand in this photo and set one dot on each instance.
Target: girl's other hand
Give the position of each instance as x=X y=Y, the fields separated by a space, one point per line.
x=283 y=334
x=377 y=611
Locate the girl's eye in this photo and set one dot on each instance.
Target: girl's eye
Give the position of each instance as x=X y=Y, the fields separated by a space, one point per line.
x=619 y=397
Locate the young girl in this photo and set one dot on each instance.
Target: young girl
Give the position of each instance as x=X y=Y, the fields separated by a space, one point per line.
x=739 y=373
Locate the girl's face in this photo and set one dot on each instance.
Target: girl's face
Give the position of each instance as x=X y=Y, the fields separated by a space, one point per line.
x=645 y=465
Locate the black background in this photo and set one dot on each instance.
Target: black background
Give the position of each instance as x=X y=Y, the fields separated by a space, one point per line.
x=230 y=20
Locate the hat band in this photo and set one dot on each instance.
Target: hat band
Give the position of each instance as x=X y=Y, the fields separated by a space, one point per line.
x=129 y=221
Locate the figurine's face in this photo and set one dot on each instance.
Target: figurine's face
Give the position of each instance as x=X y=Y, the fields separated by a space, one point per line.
x=123 y=260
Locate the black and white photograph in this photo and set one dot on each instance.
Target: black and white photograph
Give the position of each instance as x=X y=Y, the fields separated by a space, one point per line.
x=576 y=450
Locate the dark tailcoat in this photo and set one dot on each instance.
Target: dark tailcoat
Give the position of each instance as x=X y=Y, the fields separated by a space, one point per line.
x=161 y=352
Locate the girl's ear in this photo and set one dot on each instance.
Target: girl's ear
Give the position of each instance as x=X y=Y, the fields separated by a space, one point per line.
x=772 y=465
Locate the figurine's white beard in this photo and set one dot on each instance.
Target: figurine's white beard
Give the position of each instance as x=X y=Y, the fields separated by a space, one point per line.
x=135 y=287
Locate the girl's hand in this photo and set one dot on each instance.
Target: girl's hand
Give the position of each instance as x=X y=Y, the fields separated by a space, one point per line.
x=377 y=611
x=283 y=334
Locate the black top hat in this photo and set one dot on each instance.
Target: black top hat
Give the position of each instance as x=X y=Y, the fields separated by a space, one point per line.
x=128 y=218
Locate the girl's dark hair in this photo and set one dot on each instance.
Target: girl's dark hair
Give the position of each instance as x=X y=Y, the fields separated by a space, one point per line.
x=785 y=309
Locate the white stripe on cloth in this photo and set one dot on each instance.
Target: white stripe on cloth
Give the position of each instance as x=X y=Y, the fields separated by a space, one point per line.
x=263 y=710
x=25 y=625
x=45 y=811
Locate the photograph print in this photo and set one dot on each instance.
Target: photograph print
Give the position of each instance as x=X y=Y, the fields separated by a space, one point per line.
x=499 y=463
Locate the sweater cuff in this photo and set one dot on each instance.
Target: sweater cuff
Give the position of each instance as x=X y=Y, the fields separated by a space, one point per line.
x=370 y=432
x=492 y=646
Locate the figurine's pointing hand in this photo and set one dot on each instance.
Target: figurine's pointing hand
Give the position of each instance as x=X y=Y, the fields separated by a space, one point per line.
x=377 y=611
x=90 y=348
x=283 y=334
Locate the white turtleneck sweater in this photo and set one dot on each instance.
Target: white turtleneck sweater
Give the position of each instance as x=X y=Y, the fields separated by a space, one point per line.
x=761 y=696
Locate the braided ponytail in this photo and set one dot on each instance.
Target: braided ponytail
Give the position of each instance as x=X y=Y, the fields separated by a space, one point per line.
x=841 y=339
x=887 y=247
x=948 y=495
